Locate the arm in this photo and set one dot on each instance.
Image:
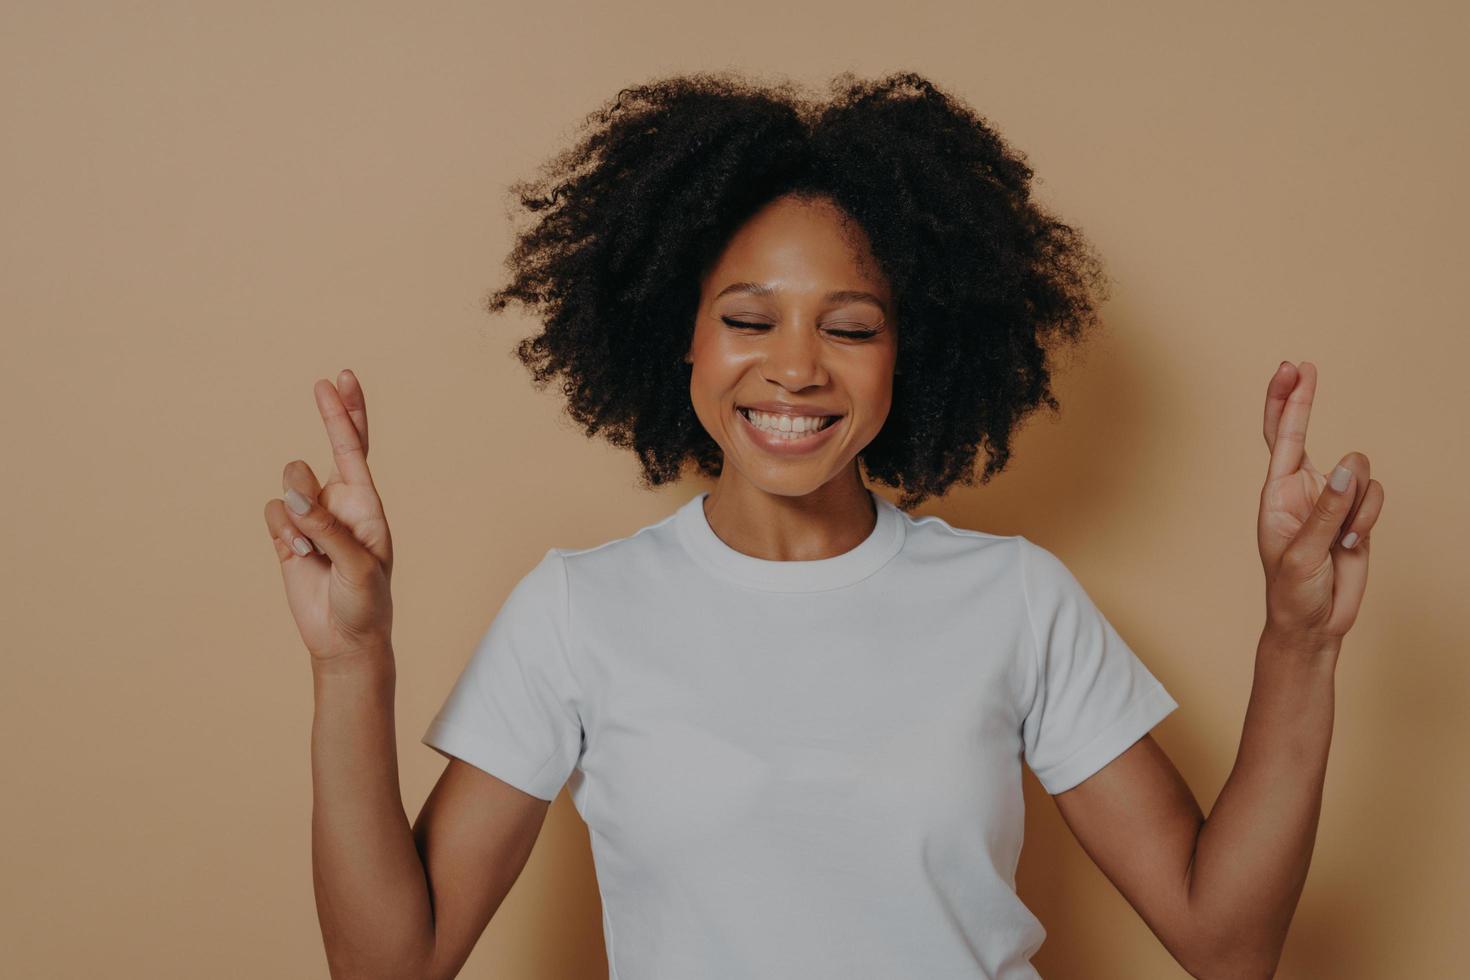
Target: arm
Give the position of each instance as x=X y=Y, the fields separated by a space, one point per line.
x=1220 y=892
x=1227 y=910
x=1250 y=862
x=371 y=896
x=391 y=902
x=395 y=902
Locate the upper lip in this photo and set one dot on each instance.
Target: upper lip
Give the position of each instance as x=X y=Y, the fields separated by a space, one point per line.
x=785 y=408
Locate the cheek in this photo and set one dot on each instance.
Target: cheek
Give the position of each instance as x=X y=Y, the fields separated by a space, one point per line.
x=708 y=391
x=877 y=404
x=702 y=388
x=716 y=370
x=875 y=387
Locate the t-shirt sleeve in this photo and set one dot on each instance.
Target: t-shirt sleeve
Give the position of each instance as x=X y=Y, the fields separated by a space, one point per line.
x=514 y=711
x=1093 y=697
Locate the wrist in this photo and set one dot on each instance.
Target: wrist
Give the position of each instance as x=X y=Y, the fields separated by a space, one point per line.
x=374 y=662
x=1300 y=644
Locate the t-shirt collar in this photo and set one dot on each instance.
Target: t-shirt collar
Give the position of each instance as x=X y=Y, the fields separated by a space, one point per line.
x=851 y=566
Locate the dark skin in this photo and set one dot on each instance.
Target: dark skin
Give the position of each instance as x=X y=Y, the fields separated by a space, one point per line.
x=1218 y=892
x=793 y=344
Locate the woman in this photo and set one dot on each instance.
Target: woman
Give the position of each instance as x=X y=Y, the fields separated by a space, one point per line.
x=792 y=715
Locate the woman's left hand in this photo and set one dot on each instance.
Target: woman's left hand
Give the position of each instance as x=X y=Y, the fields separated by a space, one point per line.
x=1313 y=537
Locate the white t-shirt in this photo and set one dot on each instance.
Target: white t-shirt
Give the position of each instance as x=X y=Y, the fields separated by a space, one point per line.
x=802 y=769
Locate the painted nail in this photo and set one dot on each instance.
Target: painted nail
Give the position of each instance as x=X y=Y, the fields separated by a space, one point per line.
x=1340 y=478
x=1349 y=539
x=301 y=547
x=299 y=505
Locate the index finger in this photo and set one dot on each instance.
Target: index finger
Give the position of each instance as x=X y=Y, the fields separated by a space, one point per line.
x=356 y=404
x=1277 y=389
x=347 y=449
x=1291 y=430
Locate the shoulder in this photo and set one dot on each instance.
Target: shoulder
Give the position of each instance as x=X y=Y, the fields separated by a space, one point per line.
x=644 y=552
x=995 y=560
x=946 y=555
x=933 y=537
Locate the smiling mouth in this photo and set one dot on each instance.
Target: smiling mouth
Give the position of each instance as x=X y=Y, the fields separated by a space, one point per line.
x=827 y=421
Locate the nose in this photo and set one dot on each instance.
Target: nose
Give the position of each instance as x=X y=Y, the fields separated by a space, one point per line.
x=794 y=357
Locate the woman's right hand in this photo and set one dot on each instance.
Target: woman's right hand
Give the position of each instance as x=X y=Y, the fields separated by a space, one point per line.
x=341 y=600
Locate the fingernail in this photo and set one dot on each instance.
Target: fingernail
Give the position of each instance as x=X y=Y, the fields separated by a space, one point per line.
x=299 y=505
x=1340 y=478
x=1349 y=539
x=301 y=547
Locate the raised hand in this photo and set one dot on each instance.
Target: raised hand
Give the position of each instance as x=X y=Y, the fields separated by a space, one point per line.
x=340 y=599
x=1313 y=535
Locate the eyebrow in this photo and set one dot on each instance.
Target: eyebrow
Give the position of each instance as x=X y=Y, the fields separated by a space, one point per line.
x=836 y=296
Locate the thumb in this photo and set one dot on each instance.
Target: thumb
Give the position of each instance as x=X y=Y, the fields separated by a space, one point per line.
x=1328 y=514
x=332 y=536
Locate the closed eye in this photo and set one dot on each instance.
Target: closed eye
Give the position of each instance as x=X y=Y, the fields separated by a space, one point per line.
x=757 y=325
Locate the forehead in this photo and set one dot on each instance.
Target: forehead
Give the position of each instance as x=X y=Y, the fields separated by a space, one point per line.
x=798 y=245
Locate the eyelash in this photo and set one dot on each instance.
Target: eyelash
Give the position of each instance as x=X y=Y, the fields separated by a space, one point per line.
x=850 y=334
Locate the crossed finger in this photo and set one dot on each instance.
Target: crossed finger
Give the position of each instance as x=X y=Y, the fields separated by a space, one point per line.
x=345 y=416
x=350 y=389
x=1290 y=409
x=1276 y=391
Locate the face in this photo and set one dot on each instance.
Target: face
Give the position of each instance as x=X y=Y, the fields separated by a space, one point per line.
x=794 y=327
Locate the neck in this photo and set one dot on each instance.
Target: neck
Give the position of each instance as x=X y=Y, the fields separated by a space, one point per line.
x=828 y=521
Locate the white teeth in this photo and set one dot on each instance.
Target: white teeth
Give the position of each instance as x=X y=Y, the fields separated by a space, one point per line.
x=787 y=425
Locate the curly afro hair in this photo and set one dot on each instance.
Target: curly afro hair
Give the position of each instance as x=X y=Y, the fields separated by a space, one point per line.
x=984 y=280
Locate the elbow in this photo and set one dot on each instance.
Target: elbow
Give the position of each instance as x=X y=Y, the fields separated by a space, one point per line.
x=1255 y=970
x=423 y=973
x=1237 y=962
x=1230 y=955
x=1228 y=951
x=382 y=969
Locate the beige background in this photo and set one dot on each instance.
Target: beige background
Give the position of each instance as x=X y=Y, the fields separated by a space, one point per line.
x=210 y=206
